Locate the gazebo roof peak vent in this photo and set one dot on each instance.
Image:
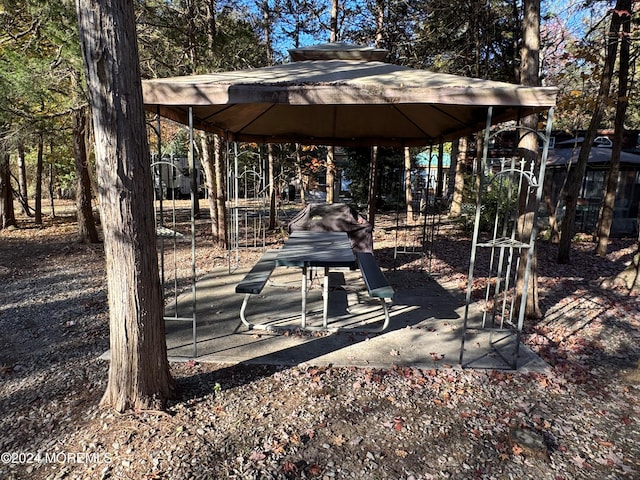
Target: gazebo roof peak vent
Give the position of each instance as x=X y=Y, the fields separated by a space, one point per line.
x=338 y=51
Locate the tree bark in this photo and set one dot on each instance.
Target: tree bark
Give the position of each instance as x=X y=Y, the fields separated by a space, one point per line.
x=22 y=180
x=408 y=196
x=267 y=19
x=51 y=183
x=207 y=147
x=373 y=186
x=551 y=211
x=333 y=24
x=300 y=174
x=87 y=232
x=609 y=200
x=220 y=192
x=458 y=187
x=576 y=175
x=440 y=172
x=380 y=8
x=528 y=147
x=139 y=375
x=272 y=189
x=38 y=180
x=331 y=171
x=7 y=214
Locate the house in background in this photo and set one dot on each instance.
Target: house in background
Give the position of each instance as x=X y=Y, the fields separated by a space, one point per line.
x=565 y=153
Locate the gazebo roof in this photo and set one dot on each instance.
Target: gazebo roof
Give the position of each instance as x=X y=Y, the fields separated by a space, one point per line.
x=337 y=94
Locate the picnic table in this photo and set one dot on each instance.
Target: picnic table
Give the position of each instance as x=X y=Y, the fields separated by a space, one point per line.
x=326 y=250
x=312 y=249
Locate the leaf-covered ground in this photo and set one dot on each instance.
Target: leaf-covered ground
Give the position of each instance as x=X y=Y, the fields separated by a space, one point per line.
x=578 y=420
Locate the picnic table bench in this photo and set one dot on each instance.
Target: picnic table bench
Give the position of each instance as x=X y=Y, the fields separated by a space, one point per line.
x=377 y=284
x=255 y=280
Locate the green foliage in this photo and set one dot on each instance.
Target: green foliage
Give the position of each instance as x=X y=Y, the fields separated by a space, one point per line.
x=186 y=37
x=497 y=203
x=39 y=81
x=390 y=161
x=464 y=38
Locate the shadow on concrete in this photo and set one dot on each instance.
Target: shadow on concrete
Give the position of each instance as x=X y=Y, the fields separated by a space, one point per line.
x=425 y=330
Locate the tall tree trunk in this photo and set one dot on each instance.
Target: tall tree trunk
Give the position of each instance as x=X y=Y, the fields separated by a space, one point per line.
x=380 y=7
x=300 y=174
x=267 y=19
x=333 y=25
x=528 y=147
x=7 y=214
x=373 y=185
x=207 y=147
x=87 y=232
x=609 y=200
x=453 y=165
x=576 y=174
x=440 y=172
x=551 y=211
x=272 y=189
x=51 y=185
x=408 y=196
x=139 y=376
x=212 y=28
x=331 y=171
x=458 y=187
x=38 y=179
x=22 y=180
x=220 y=192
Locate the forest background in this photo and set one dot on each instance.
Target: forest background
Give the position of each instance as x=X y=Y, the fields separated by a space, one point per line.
x=43 y=96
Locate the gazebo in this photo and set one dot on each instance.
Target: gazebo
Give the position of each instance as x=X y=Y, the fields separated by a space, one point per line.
x=336 y=94
x=344 y=95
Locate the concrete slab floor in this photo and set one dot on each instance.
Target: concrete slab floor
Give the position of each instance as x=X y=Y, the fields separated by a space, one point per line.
x=425 y=330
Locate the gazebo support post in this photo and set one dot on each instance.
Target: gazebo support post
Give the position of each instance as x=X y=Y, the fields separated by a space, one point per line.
x=194 y=199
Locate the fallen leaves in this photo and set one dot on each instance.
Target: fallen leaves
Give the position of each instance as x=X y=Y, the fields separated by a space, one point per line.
x=316 y=421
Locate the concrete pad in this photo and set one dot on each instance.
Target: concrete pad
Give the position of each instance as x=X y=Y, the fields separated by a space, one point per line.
x=425 y=330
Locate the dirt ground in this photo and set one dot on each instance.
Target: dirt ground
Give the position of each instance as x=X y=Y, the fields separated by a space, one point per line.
x=578 y=420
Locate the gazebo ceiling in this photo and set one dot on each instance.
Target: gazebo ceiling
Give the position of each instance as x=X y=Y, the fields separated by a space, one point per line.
x=340 y=95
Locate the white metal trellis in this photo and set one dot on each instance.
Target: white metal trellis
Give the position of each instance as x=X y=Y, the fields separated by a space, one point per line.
x=248 y=212
x=171 y=234
x=502 y=319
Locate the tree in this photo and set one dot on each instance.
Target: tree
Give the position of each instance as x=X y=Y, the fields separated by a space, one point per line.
x=576 y=174
x=528 y=147
x=461 y=164
x=272 y=187
x=407 y=184
x=139 y=375
x=333 y=22
x=7 y=215
x=606 y=209
x=300 y=19
x=213 y=165
x=23 y=194
x=87 y=232
x=196 y=36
